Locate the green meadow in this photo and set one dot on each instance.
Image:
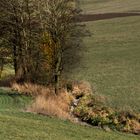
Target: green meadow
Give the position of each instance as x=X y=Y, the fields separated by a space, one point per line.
x=110 y=58
x=109 y=6
x=110 y=61
x=17 y=124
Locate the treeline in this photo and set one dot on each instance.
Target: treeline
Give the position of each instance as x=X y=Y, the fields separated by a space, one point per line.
x=35 y=35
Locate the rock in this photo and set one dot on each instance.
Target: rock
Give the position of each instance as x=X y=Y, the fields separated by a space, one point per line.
x=75 y=102
x=106 y=128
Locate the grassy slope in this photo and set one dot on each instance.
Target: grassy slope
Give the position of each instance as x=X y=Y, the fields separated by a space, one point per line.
x=113 y=52
x=18 y=125
x=106 y=6
x=110 y=59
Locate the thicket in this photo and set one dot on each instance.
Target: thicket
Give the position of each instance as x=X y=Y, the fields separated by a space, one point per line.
x=77 y=102
x=91 y=109
x=35 y=35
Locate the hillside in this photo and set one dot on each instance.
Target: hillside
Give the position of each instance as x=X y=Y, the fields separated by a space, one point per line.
x=109 y=60
x=109 y=6
x=110 y=57
x=16 y=124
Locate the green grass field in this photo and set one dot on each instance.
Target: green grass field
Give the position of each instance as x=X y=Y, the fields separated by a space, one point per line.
x=110 y=59
x=16 y=124
x=109 y=6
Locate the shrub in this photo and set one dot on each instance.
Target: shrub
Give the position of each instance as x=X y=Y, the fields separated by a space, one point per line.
x=33 y=89
x=88 y=108
x=52 y=105
x=79 y=89
x=91 y=110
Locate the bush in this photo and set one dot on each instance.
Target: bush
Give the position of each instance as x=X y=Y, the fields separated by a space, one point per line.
x=88 y=108
x=91 y=110
x=52 y=105
x=79 y=89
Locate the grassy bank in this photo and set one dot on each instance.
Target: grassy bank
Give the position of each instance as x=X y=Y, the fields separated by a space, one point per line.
x=109 y=6
x=19 y=125
x=110 y=60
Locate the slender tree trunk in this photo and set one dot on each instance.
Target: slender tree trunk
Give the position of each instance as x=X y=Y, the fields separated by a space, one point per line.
x=15 y=58
x=58 y=70
x=1 y=67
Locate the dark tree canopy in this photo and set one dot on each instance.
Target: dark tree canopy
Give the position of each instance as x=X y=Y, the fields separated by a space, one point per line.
x=35 y=36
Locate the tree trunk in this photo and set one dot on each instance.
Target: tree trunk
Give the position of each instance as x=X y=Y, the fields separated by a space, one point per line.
x=56 y=84
x=15 y=58
x=58 y=71
x=1 y=67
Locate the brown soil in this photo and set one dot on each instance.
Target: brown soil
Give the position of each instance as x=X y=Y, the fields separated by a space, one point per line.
x=94 y=17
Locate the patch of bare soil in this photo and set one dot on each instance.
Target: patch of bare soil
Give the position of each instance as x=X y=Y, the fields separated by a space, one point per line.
x=94 y=17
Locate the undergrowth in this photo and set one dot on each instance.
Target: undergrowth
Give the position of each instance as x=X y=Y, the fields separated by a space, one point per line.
x=76 y=99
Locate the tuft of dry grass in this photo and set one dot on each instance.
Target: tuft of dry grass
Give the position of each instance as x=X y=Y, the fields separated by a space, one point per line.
x=81 y=88
x=33 y=89
x=47 y=103
x=53 y=105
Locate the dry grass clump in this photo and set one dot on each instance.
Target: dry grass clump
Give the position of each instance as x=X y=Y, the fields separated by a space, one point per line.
x=91 y=109
x=46 y=102
x=77 y=100
x=130 y=121
x=53 y=105
x=79 y=89
x=32 y=89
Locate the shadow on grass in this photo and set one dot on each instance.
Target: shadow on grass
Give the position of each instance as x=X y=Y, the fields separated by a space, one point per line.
x=7 y=92
x=6 y=81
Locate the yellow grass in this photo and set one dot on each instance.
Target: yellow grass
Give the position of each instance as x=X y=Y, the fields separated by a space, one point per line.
x=48 y=103
x=58 y=106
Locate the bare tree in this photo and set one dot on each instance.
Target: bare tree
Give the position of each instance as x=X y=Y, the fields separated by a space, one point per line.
x=21 y=27
x=37 y=34
x=58 y=22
